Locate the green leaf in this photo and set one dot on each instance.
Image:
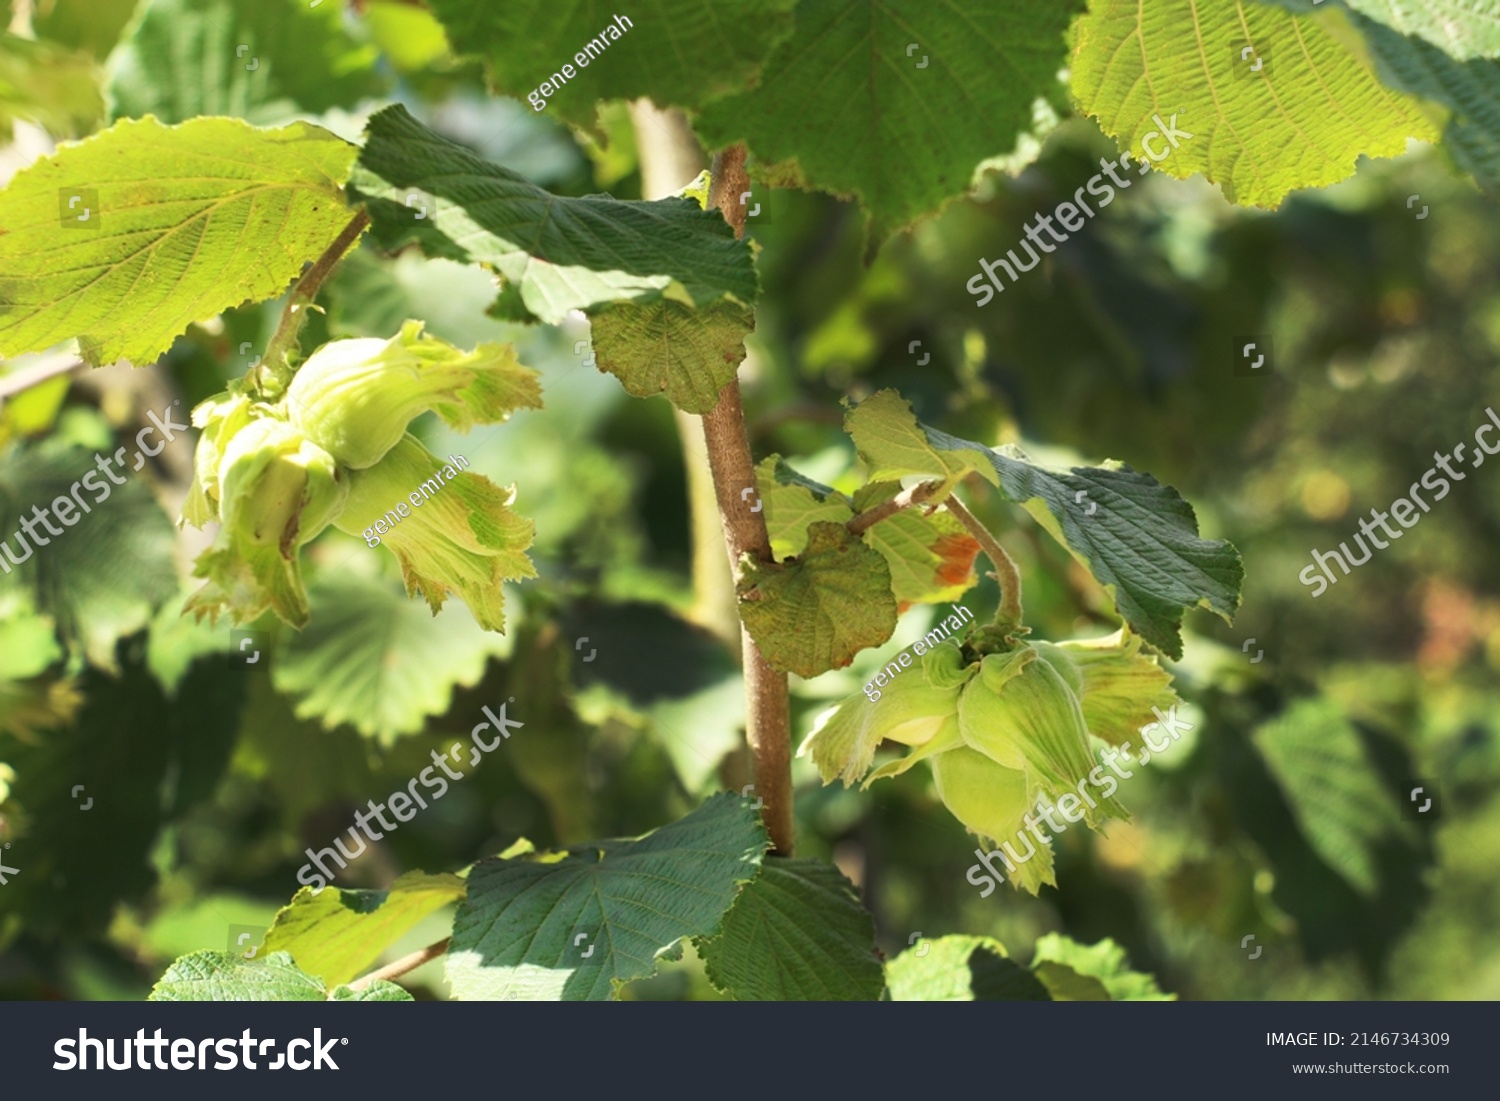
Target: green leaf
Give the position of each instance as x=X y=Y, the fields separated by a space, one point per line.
x=29 y=707
x=466 y=539
x=666 y=347
x=1333 y=789
x=677 y=52
x=178 y=640
x=380 y=662
x=260 y=60
x=221 y=977
x=90 y=25
x=647 y=666
x=378 y=991
x=1302 y=120
x=336 y=934
x=28 y=641
x=52 y=87
x=184 y=222
x=34 y=411
x=28 y=648
x=1462 y=29
x=1450 y=73
x=1067 y=985
x=845 y=99
x=103 y=577
x=797 y=933
x=1137 y=537
x=961 y=969
x=135 y=759
x=407 y=35
x=814 y=612
x=574 y=926
x=792 y=504
x=1065 y=967
x=557 y=254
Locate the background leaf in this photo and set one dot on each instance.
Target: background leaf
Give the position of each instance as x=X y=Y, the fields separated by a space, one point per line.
x=136 y=760
x=105 y=575
x=378 y=661
x=90 y=25
x=259 y=60
x=55 y=88
x=1336 y=796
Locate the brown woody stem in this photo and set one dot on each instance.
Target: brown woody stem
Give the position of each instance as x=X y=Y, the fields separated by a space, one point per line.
x=402 y=966
x=913 y=495
x=768 y=726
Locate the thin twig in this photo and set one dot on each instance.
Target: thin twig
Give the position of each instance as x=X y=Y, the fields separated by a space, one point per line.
x=912 y=495
x=1006 y=573
x=21 y=381
x=402 y=966
x=274 y=366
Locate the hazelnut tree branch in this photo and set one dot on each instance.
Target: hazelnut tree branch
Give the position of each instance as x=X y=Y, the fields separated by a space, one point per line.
x=912 y=495
x=402 y=966
x=768 y=725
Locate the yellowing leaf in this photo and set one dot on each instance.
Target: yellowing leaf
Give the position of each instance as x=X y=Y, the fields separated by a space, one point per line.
x=1272 y=102
x=1137 y=537
x=125 y=239
x=931 y=556
x=336 y=935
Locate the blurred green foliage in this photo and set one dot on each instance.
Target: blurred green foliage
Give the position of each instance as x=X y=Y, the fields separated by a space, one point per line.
x=1282 y=815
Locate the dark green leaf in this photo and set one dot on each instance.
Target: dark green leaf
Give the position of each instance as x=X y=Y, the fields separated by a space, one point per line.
x=798 y=932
